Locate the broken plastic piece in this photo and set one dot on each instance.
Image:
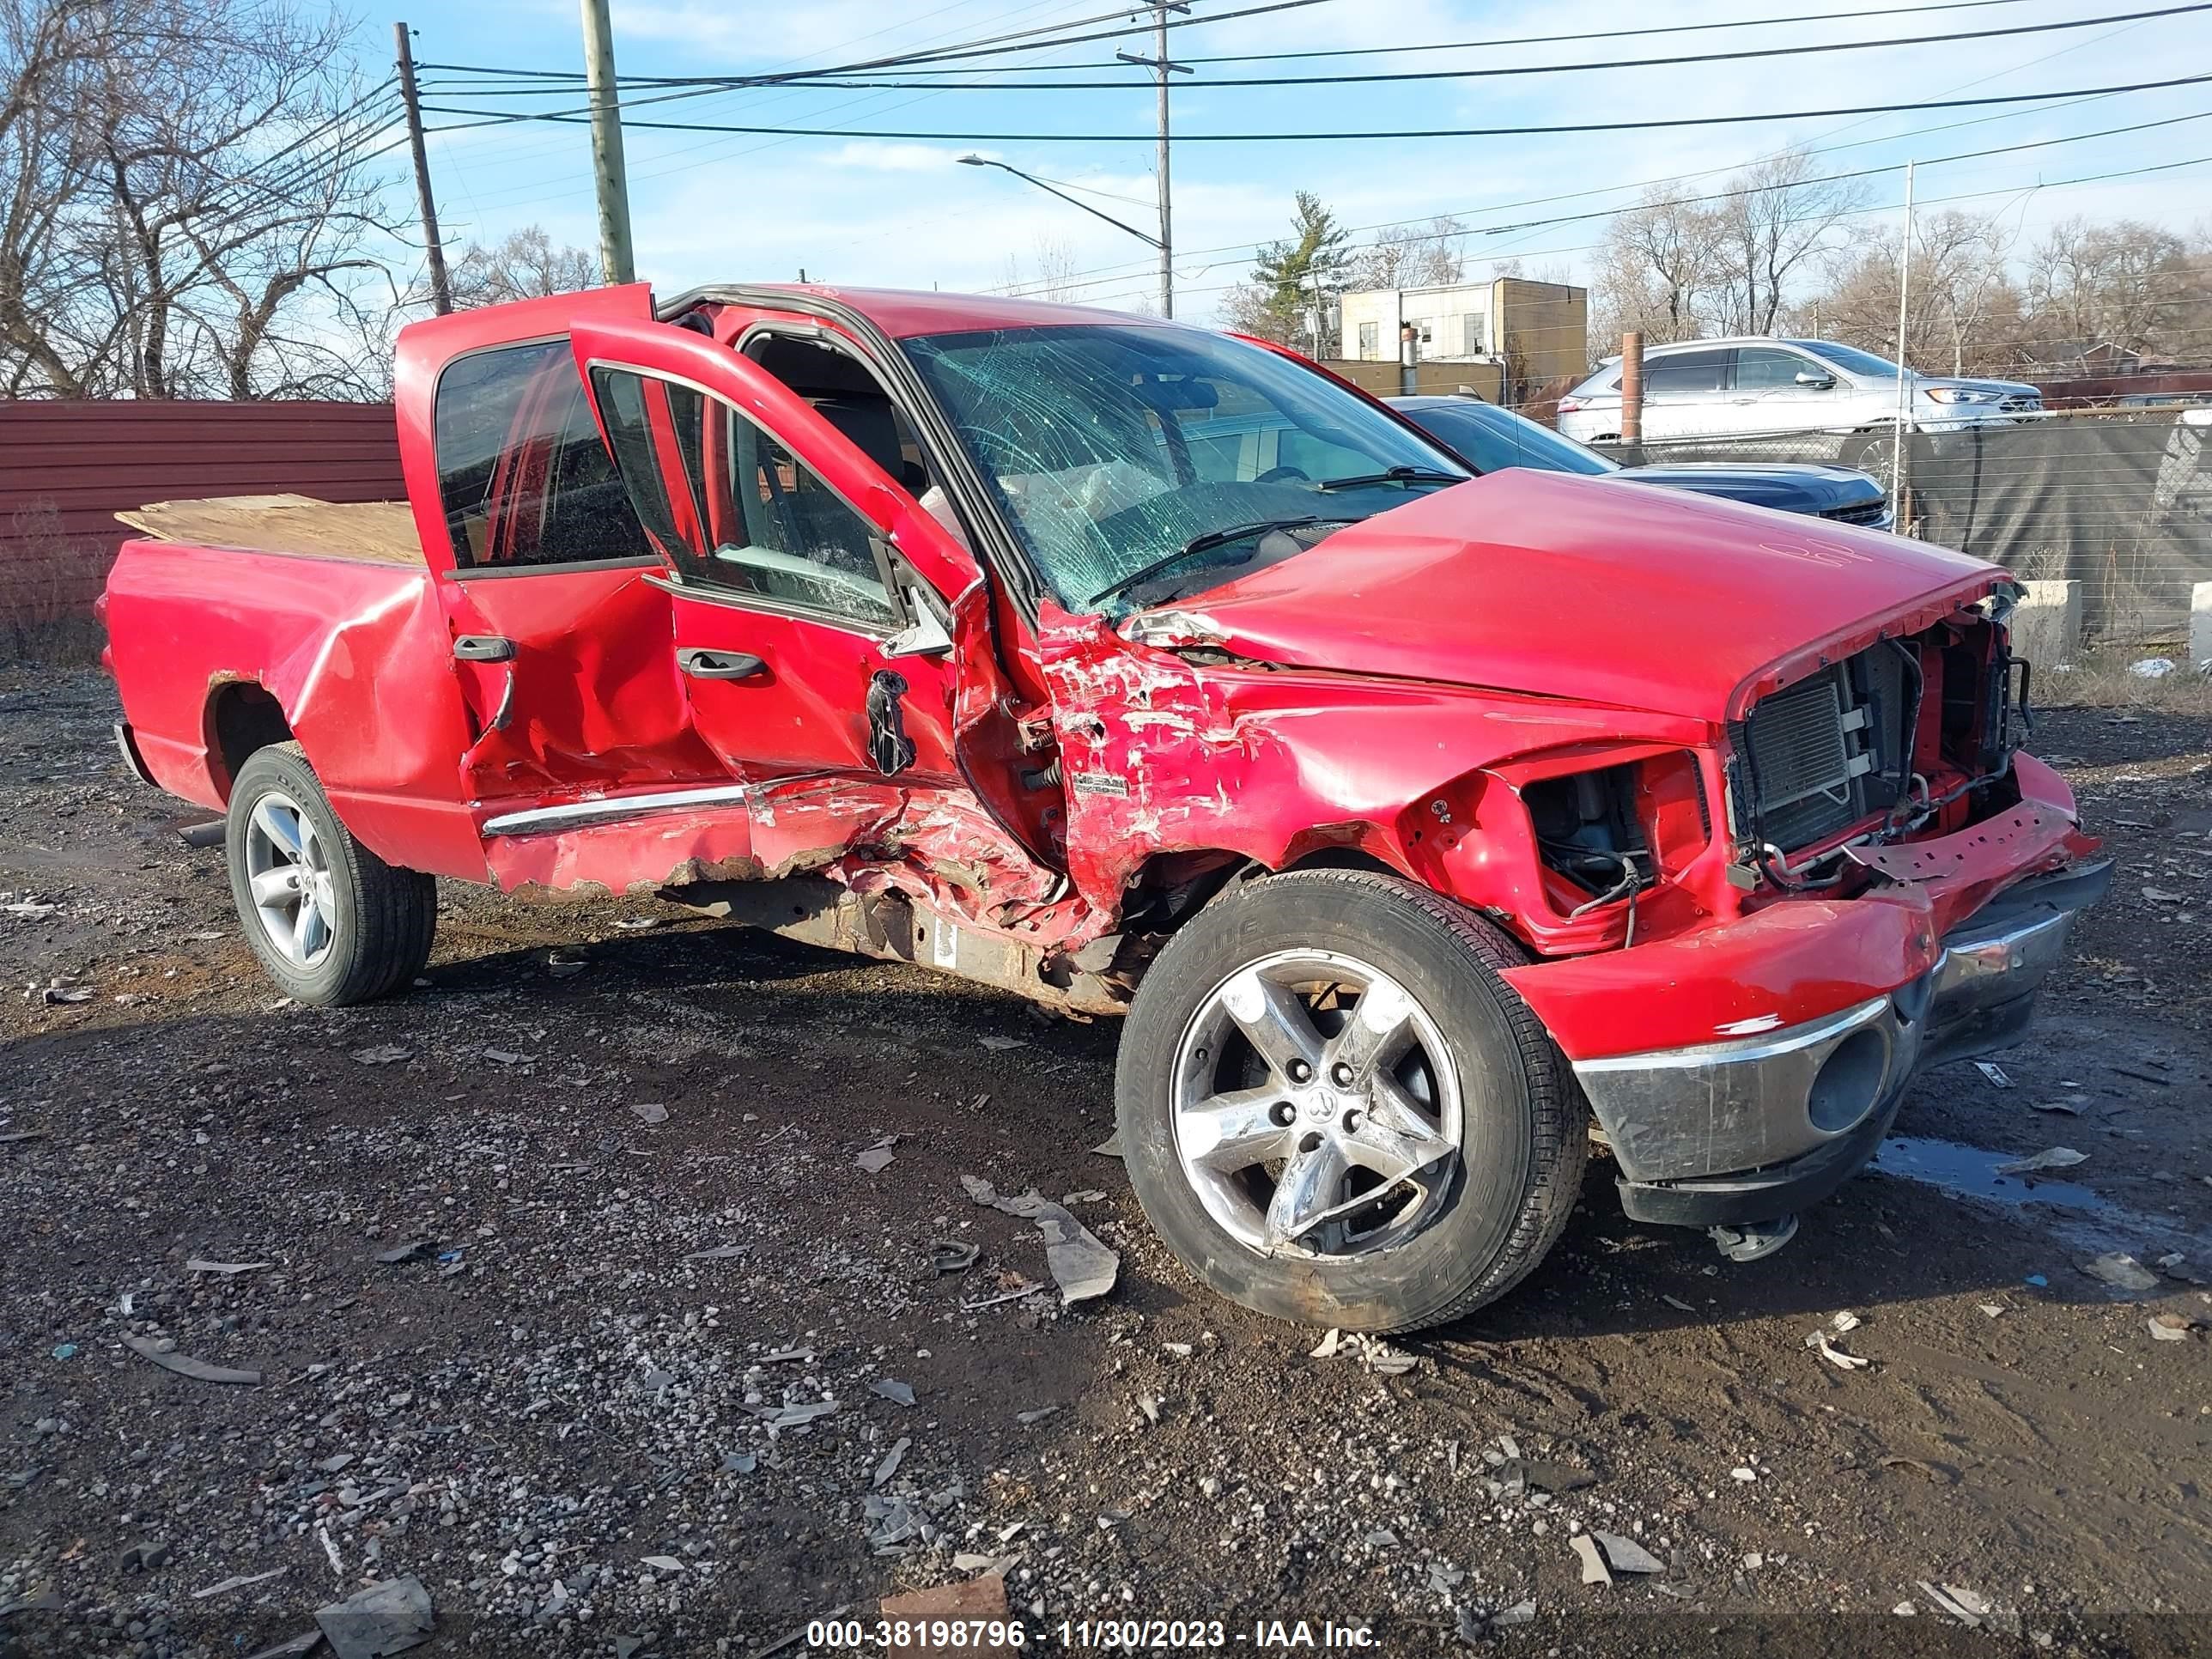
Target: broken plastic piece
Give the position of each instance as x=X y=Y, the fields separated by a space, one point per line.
x=1754 y=1239
x=384 y=1619
x=198 y=1370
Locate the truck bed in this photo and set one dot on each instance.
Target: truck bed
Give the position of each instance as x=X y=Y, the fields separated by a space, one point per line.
x=374 y=532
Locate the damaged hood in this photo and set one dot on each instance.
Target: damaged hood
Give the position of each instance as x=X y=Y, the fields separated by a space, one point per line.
x=1568 y=586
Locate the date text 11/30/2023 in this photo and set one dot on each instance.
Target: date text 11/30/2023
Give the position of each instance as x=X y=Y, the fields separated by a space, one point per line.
x=1284 y=1634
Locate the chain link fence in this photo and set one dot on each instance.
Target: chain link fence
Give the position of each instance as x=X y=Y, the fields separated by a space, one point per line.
x=2117 y=499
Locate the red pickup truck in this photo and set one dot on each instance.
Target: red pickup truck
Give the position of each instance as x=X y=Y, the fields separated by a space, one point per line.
x=1414 y=818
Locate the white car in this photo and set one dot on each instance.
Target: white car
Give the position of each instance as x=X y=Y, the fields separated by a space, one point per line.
x=1734 y=388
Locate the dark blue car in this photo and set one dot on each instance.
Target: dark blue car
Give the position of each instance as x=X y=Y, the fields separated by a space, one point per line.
x=1489 y=438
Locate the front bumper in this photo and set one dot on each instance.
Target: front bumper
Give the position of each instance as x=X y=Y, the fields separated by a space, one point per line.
x=1758 y=1125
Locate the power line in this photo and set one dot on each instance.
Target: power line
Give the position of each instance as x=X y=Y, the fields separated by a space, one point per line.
x=494 y=118
x=571 y=76
x=1495 y=72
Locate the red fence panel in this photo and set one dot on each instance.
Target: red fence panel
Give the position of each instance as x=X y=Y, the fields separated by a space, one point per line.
x=67 y=468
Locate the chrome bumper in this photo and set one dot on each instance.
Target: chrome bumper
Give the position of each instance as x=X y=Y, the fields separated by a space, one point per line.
x=1809 y=1094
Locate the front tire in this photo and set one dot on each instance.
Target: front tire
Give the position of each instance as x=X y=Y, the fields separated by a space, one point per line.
x=332 y=923
x=1335 y=1111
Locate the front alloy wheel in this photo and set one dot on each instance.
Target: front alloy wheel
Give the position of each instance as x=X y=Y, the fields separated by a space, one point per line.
x=1333 y=1109
x=1316 y=1106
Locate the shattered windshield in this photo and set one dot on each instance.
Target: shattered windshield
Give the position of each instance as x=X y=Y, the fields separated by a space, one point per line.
x=1137 y=463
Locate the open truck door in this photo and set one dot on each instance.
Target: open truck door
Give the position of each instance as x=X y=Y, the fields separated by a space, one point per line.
x=825 y=625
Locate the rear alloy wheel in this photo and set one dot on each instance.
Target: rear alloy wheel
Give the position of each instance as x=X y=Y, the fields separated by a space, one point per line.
x=1334 y=1110
x=331 y=922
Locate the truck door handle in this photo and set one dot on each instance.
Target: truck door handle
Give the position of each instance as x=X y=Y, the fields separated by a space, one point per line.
x=483 y=647
x=703 y=664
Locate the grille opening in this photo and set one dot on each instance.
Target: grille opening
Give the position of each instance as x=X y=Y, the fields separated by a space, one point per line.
x=1822 y=755
x=1587 y=831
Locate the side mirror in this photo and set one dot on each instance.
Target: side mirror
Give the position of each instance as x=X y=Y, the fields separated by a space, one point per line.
x=1814 y=379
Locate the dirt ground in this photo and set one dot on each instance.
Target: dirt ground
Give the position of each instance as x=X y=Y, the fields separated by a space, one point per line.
x=546 y=1414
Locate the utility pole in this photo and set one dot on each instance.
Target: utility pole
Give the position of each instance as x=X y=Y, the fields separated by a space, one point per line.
x=1903 y=461
x=1163 y=67
x=608 y=172
x=441 y=286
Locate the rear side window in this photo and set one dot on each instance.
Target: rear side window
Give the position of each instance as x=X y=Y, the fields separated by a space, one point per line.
x=522 y=475
x=1762 y=368
x=1681 y=376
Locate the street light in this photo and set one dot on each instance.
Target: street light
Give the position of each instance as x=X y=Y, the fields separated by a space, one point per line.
x=982 y=162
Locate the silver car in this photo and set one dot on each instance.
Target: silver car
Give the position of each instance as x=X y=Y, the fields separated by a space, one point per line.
x=1733 y=388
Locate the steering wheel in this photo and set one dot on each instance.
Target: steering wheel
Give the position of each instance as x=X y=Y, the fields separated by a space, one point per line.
x=1282 y=475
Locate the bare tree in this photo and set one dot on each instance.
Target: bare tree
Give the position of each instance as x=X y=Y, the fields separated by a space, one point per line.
x=2128 y=285
x=1049 y=274
x=1966 y=308
x=1411 y=256
x=1658 y=269
x=194 y=206
x=1771 y=220
x=523 y=264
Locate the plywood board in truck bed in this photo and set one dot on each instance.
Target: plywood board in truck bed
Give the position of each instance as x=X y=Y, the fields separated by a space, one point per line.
x=380 y=532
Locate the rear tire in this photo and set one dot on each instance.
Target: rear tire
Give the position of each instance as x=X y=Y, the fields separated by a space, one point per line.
x=332 y=923
x=1404 y=1179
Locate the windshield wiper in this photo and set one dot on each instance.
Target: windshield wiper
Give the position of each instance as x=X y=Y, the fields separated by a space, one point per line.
x=1410 y=475
x=1201 y=544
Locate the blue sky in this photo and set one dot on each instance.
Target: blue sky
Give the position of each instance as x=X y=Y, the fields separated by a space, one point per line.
x=898 y=211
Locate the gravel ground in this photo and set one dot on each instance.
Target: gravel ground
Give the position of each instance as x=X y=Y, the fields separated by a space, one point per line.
x=565 y=1412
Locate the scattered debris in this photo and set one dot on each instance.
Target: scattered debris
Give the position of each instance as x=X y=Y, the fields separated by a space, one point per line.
x=2051 y=1158
x=384 y=1619
x=1744 y=1474
x=226 y=1268
x=1038 y=1416
x=1535 y=1472
x=899 y=1394
x=719 y=1253
x=792 y=1417
x=1677 y=1303
x=998 y=1045
x=1088 y=1195
x=889 y=1467
x=1835 y=1356
x=879 y=1156
x=1371 y=1351
x=407 y=1252
x=142 y=1557
x=662 y=1563
x=739 y=1462
x=2152 y=668
x=1963 y=1604
x=1442 y=1576
x=651 y=1112
x=15 y=1135
x=2170 y=1327
x=64 y=1351
x=952 y=1255
x=1021 y=1287
x=1110 y=1148
x=2070 y=1105
x=293 y=1647
x=1081 y=1266
x=1994 y=1072
x=30 y=910
x=384 y=1053
x=239 y=1581
x=184 y=1365
x=1752 y=1242
x=1994 y=1310
x=1594 y=1571
x=2119 y=1270
x=1626 y=1555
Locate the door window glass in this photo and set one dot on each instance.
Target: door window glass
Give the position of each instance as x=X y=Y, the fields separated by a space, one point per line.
x=522 y=475
x=1684 y=376
x=1763 y=368
x=771 y=529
